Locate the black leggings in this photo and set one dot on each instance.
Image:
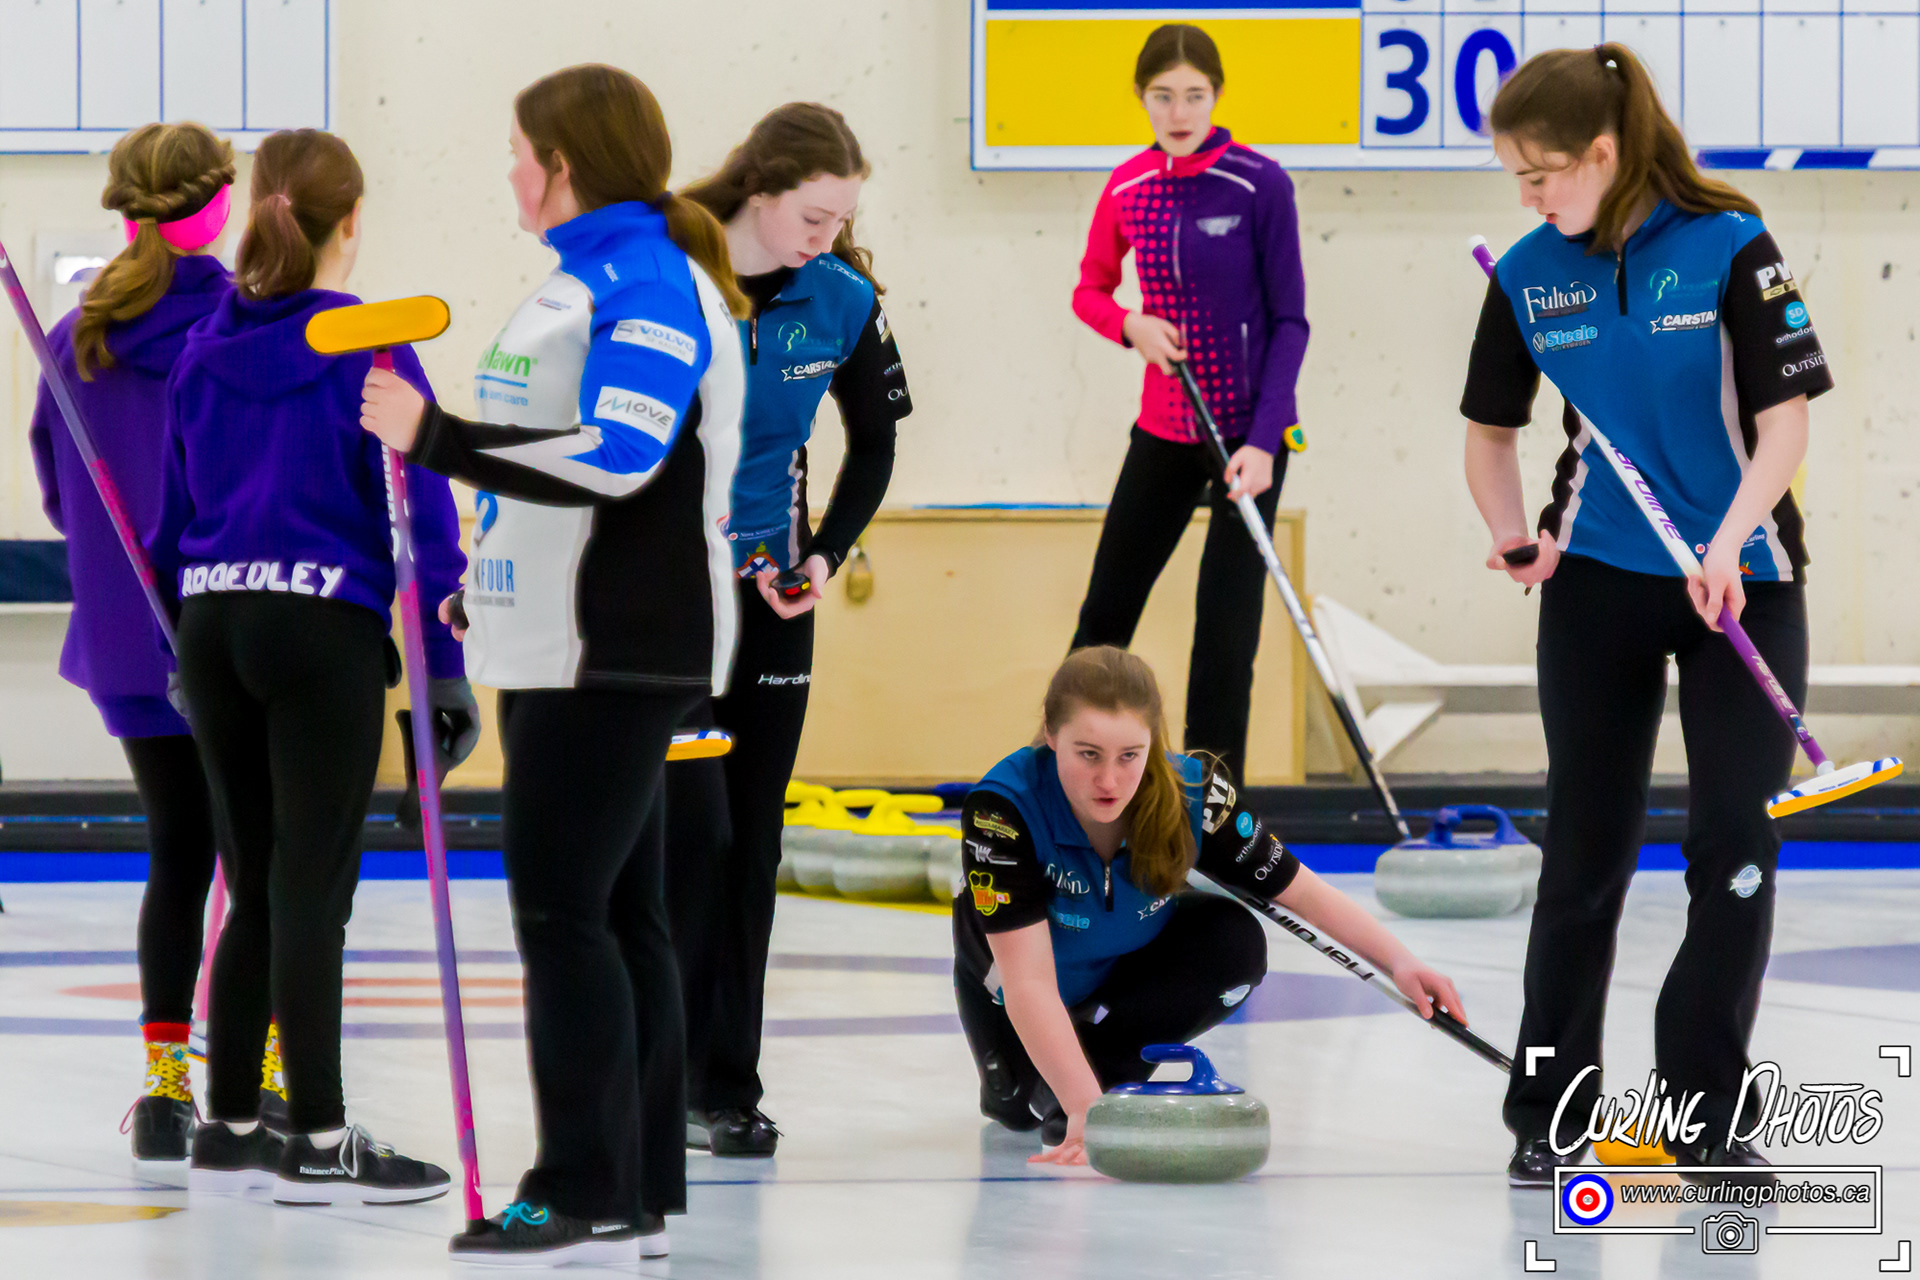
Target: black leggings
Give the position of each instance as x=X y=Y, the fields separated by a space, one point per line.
x=584 y=856
x=180 y=858
x=1160 y=485
x=287 y=695
x=1605 y=634
x=1186 y=981
x=724 y=819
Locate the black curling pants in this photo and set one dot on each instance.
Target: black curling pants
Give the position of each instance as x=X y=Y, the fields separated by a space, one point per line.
x=180 y=859
x=1605 y=634
x=1160 y=484
x=1186 y=981
x=288 y=693
x=724 y=819
x=584 y=837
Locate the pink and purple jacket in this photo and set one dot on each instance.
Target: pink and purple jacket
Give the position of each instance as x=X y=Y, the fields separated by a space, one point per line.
x=1216 y=243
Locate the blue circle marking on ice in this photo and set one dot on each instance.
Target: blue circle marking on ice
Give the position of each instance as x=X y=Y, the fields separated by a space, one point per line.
x=1587 y=1199
x=1797 y=315
x=1244 y=825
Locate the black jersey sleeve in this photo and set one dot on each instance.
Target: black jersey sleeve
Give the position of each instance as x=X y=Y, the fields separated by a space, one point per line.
x=870 y=387
x=1776 y=354
x=1005 y=882
x=1236 y=848
x=1502 y=378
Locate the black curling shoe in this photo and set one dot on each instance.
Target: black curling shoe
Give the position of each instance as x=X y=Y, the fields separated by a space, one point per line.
x=229 y=1163
x=526 y=1235
x=162 y=1130
x=1534 y=1161
x=734 y=1131
x=1731 y=1162
x=356 y=1171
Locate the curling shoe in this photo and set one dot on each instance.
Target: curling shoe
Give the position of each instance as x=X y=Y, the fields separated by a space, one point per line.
x=1734 y=1162
x=161 y=1119
x=1534 y=1161
x=527 y=1235
x=229 y=1163
x=355 y=1170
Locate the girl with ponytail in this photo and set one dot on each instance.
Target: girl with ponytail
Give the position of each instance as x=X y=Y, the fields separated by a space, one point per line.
x=170 y=185
x=272 y=547
x=603 y=607
x=1076 y=942
x=1658 y=302
x=786 y=197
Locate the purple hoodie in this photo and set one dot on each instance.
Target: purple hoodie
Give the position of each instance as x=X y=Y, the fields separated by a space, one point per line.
x=272 y=485
x=109 y=650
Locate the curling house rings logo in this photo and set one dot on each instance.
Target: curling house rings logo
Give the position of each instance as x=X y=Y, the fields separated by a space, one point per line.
x=1588 y=1199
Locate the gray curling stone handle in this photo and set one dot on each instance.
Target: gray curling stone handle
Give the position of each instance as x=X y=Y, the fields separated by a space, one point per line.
x=1202 y=1081
x=1445 y=820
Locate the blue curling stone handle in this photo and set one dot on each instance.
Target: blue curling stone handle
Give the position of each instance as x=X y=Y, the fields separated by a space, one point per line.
x=1442 y=836
x=1202 y=1081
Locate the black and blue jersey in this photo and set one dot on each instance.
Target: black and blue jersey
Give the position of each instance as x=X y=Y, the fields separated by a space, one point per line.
x=1028 y=859
x=1670 y=347
x=815 y=329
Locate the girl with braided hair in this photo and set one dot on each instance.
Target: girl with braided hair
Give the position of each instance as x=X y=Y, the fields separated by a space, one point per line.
x=171 y=185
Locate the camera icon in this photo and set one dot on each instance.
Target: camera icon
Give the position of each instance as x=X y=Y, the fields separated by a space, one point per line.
x=1729 y=1232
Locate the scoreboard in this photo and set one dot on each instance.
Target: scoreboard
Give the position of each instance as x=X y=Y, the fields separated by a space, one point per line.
x=1405 y=84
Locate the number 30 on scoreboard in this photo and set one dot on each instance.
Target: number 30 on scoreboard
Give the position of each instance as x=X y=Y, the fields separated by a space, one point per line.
x=1427 y=78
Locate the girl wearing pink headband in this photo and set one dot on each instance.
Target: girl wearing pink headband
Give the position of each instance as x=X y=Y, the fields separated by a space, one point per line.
x=190 y=232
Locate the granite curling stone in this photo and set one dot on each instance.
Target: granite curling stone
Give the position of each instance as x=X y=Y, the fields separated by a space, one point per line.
x=1454 y=875
x=1200 y=1129
x=812 y=833
x=883 y=857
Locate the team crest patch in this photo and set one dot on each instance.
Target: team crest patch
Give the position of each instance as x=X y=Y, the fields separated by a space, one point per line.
x=995 y=825
x=986 y=898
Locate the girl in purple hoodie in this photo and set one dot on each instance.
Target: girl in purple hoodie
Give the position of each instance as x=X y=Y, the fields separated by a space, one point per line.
x=170 y=183
x=274 y=546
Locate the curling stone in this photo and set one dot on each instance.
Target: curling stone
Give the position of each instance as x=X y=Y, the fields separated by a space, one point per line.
x=883 y=856
x=1200 y=1129
x=1458 y=876
x=1629 y=1154
x=945 y=872
x=807 y=839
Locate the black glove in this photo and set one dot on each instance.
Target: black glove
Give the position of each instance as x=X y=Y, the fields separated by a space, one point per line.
x=456 y=720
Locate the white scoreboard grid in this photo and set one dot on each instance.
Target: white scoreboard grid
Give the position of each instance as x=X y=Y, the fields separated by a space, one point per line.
x=77 y=74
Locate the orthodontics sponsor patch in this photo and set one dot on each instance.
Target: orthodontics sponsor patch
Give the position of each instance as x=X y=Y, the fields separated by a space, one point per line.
x=683 y=347
x=640 y=411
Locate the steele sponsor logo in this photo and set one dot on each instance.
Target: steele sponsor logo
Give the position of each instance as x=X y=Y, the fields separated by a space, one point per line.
x=683 y=347
x=1563 y=339
x=1068 y=920
x=1552 y=301
x=812 y=369
x=645 y=413
x=1681 y=322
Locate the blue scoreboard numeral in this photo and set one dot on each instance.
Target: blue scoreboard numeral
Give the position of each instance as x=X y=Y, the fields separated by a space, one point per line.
x=1466 y=95
x=1408 y=82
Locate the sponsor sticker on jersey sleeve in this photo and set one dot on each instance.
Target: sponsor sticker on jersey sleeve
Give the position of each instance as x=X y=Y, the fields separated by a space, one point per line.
x=994 y=825
x=643 y=412
x=683 y=347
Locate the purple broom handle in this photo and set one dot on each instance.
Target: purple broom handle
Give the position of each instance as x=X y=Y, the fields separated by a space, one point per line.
x=406 y=599
x=1676 y=544
x=83 y=441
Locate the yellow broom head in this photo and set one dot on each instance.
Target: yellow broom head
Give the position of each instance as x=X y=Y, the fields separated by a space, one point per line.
x=373 y=325
x=1825 y=788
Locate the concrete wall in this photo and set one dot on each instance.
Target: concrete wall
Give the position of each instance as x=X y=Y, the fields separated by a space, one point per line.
x=1015 y=400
